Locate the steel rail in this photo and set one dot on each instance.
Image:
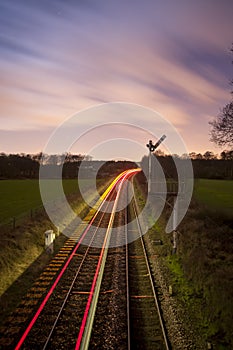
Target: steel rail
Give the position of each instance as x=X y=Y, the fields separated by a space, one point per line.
x=127 y=275
x=150 y=277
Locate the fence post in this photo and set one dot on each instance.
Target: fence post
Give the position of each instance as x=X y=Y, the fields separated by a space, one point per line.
x=14 y=224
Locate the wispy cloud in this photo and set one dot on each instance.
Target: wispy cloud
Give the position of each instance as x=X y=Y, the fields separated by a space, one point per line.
x=59 y=57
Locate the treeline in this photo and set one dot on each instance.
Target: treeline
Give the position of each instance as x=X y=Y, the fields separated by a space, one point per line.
x=207 y=165
x=16 y=166
x=27 y=166
x=21 y=166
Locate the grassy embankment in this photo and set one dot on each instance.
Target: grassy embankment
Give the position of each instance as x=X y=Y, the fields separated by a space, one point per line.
x=201 y=271
x=206 y=257
x=22 y=252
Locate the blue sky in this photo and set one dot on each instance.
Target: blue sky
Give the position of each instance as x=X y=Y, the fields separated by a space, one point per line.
x=59 y=57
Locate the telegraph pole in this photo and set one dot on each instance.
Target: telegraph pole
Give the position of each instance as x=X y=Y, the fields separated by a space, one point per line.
x=174 y=233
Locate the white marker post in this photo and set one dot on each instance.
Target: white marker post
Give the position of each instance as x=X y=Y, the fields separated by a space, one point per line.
x=49 y=238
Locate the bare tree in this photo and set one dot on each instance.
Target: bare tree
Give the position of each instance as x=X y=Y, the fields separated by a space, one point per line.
x=222 y=125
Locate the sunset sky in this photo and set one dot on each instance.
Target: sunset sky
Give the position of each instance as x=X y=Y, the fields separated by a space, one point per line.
x=59 y=57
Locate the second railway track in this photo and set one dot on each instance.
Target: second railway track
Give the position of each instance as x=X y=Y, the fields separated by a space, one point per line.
x=147 y=329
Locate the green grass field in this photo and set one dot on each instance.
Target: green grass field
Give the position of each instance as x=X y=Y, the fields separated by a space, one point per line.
x=215 y=195
x=19 y=196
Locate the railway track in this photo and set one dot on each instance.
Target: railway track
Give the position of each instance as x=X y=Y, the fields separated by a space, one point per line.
x=147 y=329
x=110 y=326
x=99 y=295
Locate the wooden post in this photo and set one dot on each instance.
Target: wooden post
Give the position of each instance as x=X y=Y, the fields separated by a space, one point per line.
x=174 y=234
x=174 y=239
x=14 y=223
x=170 y=290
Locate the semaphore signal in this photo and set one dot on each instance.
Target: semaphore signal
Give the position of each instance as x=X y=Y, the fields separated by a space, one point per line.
x=152 y=147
